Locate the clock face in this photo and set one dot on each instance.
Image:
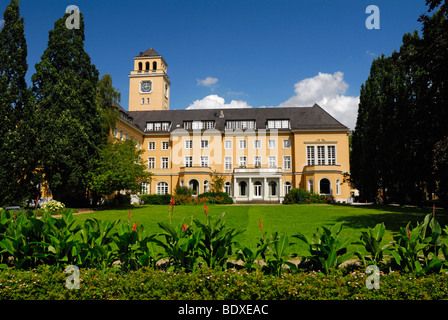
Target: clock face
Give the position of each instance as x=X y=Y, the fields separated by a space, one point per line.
x=146 y=86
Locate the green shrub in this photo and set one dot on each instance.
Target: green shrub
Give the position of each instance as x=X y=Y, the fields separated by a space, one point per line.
x=156 y=198
x=218 y=197
x=47 y=283
x=302 y=196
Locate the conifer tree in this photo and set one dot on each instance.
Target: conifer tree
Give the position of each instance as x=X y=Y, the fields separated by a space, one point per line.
x=17 y=136
x=68 y=117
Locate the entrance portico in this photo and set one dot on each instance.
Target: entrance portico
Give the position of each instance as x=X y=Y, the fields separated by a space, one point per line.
x=264 y=184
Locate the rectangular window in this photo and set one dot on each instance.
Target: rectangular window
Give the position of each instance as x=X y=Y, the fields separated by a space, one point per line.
x=116 y=133
x=272 y=162
x=188 y=125
x=278 y=124
x=165 y=145
x=204 y=161
x=228 y=163
x=157 y=126
x=150 y=126
x=310 y=155
x=321 y=155
x=151 y=162
x=257 y=144
x=287 y=144
x=188 y=161
x=228 y=144
x=151 y=145
x=204 y=144
x=271 y=144
x=188 y=144
x=243 y=144
x=257 y=161
x=287 y=162
x=165 y=126
x=243 y=161
x=165 y=163
x=331 y=150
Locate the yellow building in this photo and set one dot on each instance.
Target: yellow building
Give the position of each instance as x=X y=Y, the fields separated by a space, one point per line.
x=261 y=152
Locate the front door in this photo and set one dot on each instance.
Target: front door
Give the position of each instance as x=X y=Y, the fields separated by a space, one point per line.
x=257 y=189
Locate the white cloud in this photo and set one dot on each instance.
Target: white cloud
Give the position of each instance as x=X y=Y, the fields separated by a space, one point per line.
x=207 y=82
x=216 y=102
x=2 y=22
x=328 y=91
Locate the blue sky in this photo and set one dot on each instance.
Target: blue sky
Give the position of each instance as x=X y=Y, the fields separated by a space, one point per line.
x=256 y=53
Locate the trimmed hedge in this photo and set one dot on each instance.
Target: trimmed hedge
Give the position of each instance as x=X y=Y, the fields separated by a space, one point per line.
x=156 y=198
x=48 y=283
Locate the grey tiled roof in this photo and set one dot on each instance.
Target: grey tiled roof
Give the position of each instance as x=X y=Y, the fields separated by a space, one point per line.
x=305 y=118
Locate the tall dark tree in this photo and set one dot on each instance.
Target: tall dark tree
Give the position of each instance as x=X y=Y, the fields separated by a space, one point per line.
x=108 y=98
x=68 y=117
x=17 y=136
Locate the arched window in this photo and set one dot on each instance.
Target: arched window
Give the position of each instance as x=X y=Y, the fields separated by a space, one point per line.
x=162 y=187
x=338 y=187
x=140 y=66
x=311 y=185
x=288 y=187
x=206 y=186
x=193 y=184
x=243 y=188
x=147 y=66
x=154 y=66
x=325 y=186
x=228 y=188
x=273 y=188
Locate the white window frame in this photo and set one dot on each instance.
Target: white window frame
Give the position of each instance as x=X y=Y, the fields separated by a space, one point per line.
x=204 y=162
x=188 y=161
x=151 y=163
x=257 y=144
x=286 y=143
x=153 y=144
x=242 y=161
x=287 y=160
x=271 y=144
x=228 y=144
x=165 y=162
x=204 y=144
x=188 y=144
x=162 y=187
x=272 y=163
x=228 y=163
x=258 y=159
x=165 y=145
x=244 y=142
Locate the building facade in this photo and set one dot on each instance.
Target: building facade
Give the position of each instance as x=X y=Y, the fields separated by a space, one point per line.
x=261 y=152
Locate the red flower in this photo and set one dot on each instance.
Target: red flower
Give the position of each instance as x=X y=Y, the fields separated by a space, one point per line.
x=134 y=227
x=259 y=223
x=205 y=209
x=184 y=227
x=409 y=233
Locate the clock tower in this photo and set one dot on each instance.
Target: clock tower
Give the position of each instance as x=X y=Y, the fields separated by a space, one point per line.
x=149 y=85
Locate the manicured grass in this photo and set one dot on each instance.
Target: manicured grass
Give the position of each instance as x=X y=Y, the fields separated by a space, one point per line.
x=288 y=219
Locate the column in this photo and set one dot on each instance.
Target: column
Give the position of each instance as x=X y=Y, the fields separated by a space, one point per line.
x=249 y=189
x=280 y=189
x=234 y=189
x=265 y=189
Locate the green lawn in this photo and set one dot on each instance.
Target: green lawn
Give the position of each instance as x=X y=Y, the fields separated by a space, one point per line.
x=289 y=219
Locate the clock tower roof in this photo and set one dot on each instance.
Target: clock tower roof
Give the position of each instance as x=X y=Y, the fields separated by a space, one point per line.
x=149 y=53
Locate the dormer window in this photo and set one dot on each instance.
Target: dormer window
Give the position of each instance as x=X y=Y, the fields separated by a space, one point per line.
x=199 y=125
x=158 y=126
x=278 y=124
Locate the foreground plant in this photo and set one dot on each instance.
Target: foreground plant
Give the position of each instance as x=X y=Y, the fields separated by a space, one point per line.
x=327 y=249
x=371 y=241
